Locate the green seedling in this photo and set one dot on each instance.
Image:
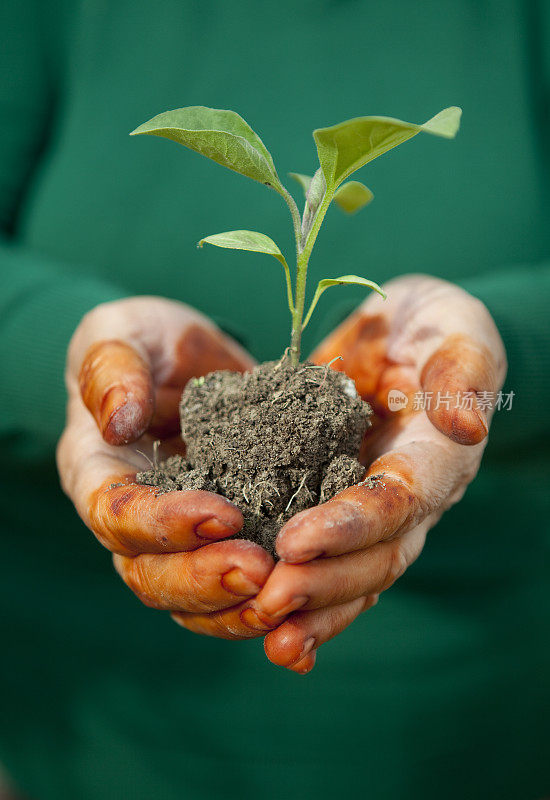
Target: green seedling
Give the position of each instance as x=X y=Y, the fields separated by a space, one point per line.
x=226 y=138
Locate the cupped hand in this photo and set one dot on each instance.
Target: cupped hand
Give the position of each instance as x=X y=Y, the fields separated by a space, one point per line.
x=433 y=344
x=127 y=364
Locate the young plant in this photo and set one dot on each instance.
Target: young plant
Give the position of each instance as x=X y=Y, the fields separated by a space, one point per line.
x=227 y=139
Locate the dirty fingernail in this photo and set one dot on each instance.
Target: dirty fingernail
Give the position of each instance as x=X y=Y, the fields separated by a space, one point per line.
x=252 y=620
x=213 y=528
x=236 y=582
x=127 y=423
x=294 y=605
x=300 y=558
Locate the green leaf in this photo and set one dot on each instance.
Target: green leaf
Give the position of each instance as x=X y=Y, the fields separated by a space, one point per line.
x=352 y=196
x=244 y=240
x=221 y=135
x=255 y=243
x=341 y=281
x=346 y=147
x=303 y=180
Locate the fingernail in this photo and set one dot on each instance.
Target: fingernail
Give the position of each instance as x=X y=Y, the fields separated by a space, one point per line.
x=252 y=620
x=127 y=423
x=300 y=558
x=112 y=418
x=112 y=401
x=213 y=528
x=309 y=644
x=481 y=417
x=294 y=605
x=236 y=582
x=308 y=666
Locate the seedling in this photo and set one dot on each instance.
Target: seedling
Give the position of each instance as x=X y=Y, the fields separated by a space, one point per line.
x=270 y=445
x=226 y=138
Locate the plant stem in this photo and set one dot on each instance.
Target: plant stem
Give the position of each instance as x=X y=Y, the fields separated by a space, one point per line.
x=299 y=300
x=296 y=219
x=317 y=222
x=302 y=260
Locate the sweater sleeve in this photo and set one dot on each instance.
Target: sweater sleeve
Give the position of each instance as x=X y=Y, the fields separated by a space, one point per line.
x=41 y=301
x=518 y=296
x=40 y=307
x=518 y=299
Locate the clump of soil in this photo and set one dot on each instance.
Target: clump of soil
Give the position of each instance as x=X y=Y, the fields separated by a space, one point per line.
x=274 y=441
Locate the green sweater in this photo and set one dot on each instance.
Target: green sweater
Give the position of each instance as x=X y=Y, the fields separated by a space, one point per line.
x=440 y=691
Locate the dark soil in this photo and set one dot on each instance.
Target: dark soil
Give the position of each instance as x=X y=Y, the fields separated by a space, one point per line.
x=274 y=441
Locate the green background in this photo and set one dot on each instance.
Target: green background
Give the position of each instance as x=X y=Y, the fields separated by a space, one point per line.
x=442 y=690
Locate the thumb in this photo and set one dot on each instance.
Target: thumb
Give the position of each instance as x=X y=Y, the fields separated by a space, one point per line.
x=130 y=359
x=460 y=374
x=453 y=341
x=116 y=386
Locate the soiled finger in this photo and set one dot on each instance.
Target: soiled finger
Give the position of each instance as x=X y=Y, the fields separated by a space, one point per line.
x=305 y=664
x=117 y=388
x=129 y=518
x=239 y=622
x=126 y=517
x=213 y=577
x=403 y=487
x=457 y=374
x=355 y=519
x=333 y=581
x=300 y=635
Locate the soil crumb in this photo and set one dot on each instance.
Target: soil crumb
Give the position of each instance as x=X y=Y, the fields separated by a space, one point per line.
x=274 y=441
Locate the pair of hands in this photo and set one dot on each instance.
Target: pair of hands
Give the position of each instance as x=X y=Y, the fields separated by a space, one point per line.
x=127 y=363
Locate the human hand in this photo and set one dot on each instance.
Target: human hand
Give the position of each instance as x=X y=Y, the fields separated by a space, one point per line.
x=429 y=336
x=127 y=364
